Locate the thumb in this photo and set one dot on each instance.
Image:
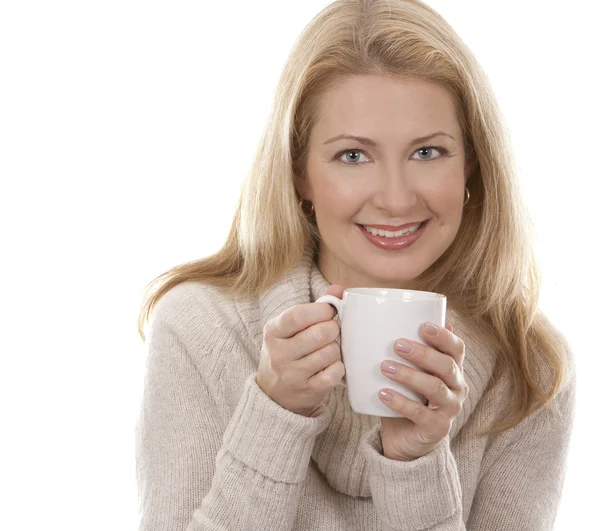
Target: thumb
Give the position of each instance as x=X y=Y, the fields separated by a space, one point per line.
x=337 y=290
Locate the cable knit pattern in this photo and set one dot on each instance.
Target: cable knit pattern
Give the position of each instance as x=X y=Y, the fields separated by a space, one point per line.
x=214 y=452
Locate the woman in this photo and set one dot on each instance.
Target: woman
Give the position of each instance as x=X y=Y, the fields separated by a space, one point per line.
x=385 y=163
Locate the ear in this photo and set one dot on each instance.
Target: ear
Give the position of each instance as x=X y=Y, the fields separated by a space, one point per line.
x=469 y=167
x=304 y=188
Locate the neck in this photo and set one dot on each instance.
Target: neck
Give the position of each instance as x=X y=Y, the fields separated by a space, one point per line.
x=335 y=273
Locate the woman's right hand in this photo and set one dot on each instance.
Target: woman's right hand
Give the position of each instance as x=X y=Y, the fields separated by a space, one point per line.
x=300 y=359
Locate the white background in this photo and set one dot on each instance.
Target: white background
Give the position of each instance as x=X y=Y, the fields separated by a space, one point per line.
x=126 y=129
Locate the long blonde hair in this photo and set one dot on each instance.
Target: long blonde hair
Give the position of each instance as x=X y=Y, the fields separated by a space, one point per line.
x=489 y=270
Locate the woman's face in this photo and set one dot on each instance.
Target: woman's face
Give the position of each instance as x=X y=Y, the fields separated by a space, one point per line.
x=389 y=180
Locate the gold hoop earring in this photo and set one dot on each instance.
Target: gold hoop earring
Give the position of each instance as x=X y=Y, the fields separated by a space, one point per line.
x=312 y=208
x=468 y=196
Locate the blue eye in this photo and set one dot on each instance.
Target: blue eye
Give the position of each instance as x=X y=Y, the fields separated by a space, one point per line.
x=441 y=150
x=357 y=152
x=349 y=151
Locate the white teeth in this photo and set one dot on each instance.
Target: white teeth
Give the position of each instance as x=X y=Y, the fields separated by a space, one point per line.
x=397 y=234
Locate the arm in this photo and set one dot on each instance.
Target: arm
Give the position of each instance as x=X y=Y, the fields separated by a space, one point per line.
x=198 y=471
x=520 y=489
x=420 y=494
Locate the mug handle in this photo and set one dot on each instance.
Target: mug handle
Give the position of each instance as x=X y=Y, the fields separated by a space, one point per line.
x=338 y=304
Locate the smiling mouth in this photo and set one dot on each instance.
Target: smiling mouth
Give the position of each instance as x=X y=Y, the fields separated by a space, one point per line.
x=411 y=229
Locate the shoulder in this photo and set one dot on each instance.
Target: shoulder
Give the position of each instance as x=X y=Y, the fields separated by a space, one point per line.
x=197 y=300
x=548 y=336
x=201 y=315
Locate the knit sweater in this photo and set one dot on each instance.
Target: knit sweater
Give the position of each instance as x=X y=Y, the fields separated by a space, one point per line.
x=214 y=452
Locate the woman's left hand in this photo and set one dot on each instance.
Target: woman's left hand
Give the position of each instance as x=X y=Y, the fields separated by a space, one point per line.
x=424 y=427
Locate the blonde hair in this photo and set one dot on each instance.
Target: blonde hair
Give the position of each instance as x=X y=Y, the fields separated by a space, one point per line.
x=488 y=272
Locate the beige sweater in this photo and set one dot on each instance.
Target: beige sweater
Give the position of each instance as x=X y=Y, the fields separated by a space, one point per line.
x=214 y=452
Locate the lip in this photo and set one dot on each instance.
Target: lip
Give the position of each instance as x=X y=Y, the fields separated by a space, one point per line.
x=394 y=244
x=393 y=228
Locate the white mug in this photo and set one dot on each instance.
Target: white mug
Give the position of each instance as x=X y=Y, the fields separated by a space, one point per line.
x=371 y=320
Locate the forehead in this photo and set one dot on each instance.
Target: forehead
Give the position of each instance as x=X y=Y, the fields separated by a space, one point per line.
x=370 y=104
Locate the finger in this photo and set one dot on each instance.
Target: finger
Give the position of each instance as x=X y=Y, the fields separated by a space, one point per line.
x=431 y=387
x=329 y=377
x=297 y=318
x=450 y=327
x=313 y=338
x=445 y=341
x=433 y=361
x=427 y=419
x=318 y=361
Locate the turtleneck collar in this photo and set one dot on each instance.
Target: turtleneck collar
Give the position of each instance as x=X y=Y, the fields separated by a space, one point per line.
x=318 y=283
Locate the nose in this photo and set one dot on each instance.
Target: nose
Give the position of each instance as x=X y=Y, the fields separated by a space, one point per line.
x=395 y=193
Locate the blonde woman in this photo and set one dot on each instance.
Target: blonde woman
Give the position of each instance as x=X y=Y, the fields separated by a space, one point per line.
x=385 y=162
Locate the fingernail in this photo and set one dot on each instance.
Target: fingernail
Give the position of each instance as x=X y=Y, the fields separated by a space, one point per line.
x=389 y=367
x=385 y=395
x=403 y=346
x=431 y=329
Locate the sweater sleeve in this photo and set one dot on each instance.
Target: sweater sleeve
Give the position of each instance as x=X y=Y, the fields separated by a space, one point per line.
x=520 y=488
x=414 y=495
x=198 y=471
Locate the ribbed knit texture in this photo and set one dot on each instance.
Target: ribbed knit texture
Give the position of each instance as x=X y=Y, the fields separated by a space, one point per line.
x=214 y=452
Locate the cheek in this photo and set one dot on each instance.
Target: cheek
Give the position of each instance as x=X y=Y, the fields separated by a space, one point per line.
x=446 y=198
x=450 y=204
x=338 y=200
x=450 y=213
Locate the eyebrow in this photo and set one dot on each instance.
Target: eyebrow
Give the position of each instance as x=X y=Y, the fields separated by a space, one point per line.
x=372 y=143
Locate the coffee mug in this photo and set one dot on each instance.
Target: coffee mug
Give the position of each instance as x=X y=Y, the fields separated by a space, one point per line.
x=371 y=320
